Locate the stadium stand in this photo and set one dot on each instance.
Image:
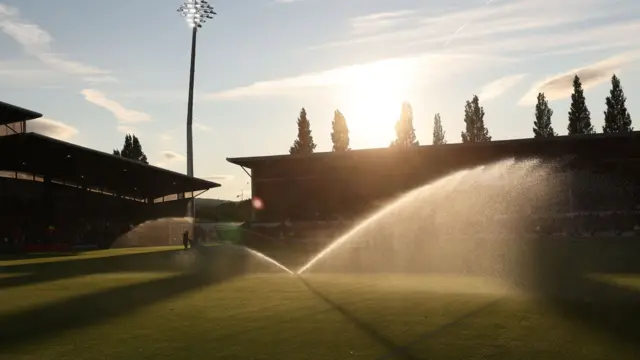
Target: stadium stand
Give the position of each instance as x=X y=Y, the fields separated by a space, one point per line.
x=603 y=173
x=56 y=195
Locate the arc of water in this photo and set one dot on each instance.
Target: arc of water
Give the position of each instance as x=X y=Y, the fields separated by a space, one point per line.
x=447 y=182
x=464 y=179
x=268 y=259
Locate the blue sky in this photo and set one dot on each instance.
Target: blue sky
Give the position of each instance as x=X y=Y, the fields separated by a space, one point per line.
x=97 y=69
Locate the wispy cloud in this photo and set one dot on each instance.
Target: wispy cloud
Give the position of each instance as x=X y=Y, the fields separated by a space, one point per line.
x=498 y=87
x=38 y=43
x=380 y=21
x=201 y=127
x=126 y=117
x=571 y=41
x=171 y=156
x=458 y=31
x=118 y=110
x=561 y=85
x=406 y=68
x=100 y=79
x=15 y=69
x=219 y=177
x=52 y=128
x=503 y=27
x=26 y=74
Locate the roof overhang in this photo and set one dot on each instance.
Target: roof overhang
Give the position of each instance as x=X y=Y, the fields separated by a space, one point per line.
x=44 y=156
x=11 y=113
x=546 y=148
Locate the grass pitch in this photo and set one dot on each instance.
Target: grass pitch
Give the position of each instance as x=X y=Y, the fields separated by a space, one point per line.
x=135 y=305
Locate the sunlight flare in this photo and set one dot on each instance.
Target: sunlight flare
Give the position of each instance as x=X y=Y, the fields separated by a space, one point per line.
x=372 y=95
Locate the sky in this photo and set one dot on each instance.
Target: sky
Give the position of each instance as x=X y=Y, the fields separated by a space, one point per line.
x=100 y=69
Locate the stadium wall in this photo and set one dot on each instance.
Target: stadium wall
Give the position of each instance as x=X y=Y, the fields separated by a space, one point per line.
x=601 y=174
x=34 y=214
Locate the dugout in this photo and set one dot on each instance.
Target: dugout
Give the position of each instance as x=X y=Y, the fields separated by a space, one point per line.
x=56 y=194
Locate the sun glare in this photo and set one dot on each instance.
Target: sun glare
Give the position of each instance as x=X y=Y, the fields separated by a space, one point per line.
x=372 y=95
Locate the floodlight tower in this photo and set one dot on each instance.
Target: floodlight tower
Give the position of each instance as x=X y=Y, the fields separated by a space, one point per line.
x=197 y=12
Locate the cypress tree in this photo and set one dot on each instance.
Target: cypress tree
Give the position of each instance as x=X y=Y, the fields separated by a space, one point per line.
x=616 y=117
x=579 y=114
x=340 y=133
x=304 y=142
x=542 y=125
x=475 y=130
x=438 y=131
x=405 y=133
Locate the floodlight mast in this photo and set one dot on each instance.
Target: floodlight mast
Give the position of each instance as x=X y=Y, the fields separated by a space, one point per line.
x=197 y=12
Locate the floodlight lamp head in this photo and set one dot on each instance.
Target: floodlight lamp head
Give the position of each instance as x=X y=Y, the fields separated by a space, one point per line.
x=197 y=12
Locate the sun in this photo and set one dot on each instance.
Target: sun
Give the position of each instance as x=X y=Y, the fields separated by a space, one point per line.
x=372 y=95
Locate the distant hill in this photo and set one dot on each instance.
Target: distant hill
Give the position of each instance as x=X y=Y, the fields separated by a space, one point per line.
x=223 y=210
x=209 y=203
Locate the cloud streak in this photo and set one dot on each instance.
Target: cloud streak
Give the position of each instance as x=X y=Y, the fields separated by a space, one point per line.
x=401 y=68
x=52 y=128
x=172 y=156
x=21 y=73
x=498 y=87
x=38 y=43
x=126 y=117
x=118 y=110
x=560 y=86
x=219 y=177
x=169 y=158
x=379 y=21
x=501 y=27
x=201 y=127
x=499 y=30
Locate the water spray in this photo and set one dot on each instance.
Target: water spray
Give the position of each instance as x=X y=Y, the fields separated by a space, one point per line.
x=404 y=200
x=268 y=259
x=458 y=206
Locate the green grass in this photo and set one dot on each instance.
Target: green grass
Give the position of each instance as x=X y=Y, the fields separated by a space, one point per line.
x=164 y=312
x=37 y=258
x=629 y=281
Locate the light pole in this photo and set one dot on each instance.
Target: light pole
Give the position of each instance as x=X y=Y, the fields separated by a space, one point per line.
x=197 y=12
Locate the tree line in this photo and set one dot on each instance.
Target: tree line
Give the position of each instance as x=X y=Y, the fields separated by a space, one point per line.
x=616 y=119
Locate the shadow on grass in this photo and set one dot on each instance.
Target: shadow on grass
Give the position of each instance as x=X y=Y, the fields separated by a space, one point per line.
x=31 y=325
x=13 y=257
x=558 y=274
x=288 y=320
x=392 y=347
x=70 y=268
